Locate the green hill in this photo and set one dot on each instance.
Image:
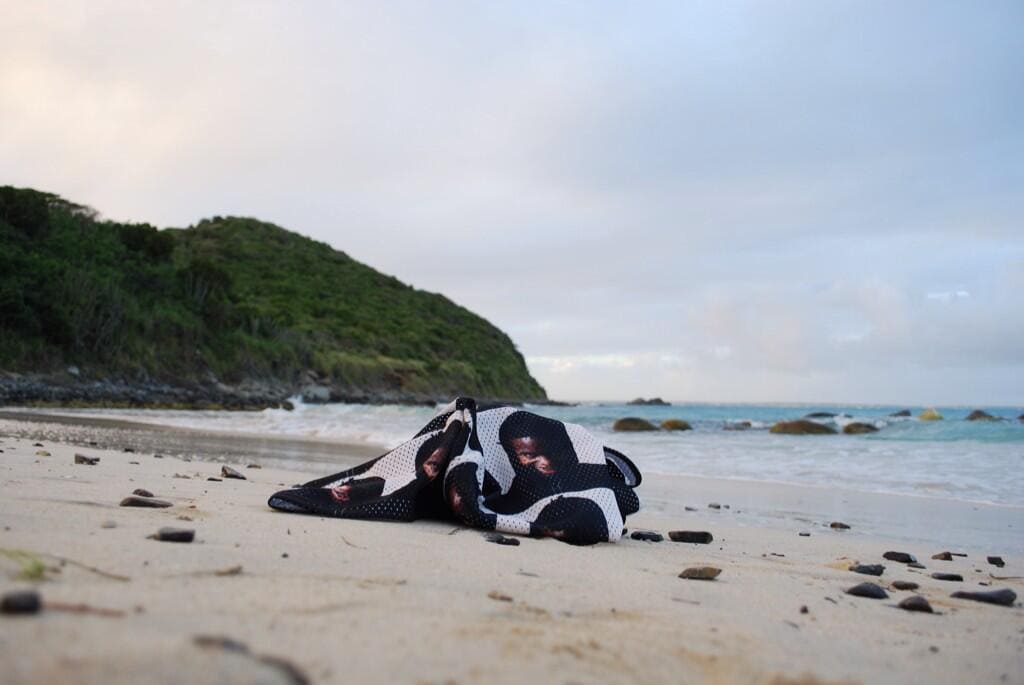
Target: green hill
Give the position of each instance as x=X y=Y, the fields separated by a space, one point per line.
x=228 y=305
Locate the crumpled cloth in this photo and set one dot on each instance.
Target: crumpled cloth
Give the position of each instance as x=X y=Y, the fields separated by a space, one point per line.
x=500 y=468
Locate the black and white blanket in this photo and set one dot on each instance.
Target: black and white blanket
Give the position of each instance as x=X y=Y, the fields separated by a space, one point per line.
x=498 y=469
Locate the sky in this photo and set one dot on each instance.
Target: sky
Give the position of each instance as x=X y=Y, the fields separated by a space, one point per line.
x=703 y=201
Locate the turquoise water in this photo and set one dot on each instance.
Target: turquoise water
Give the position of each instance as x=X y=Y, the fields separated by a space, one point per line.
x=953 y=458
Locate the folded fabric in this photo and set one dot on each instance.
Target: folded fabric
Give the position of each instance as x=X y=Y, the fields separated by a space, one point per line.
x=503 y=469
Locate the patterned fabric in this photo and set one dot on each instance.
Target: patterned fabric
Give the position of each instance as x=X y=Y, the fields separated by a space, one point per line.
x=498 y=469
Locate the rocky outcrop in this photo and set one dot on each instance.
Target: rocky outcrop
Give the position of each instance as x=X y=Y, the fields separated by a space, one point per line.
x=653 y=402
x=633 y=424
x=930 y=415
x=675 y=425
x=979 y=415
x=737 y=426
x=902 y=413
x=801 y=427
x=859 y=428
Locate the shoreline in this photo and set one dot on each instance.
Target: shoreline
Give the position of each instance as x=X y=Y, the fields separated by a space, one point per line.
x=461 y=609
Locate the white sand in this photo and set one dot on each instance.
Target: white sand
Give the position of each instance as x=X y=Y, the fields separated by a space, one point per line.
x=358 y=601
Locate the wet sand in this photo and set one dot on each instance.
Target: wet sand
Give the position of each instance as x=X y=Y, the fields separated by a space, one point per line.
x=430 y=602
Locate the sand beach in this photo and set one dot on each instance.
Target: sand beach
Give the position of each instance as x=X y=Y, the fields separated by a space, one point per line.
x=261 y=596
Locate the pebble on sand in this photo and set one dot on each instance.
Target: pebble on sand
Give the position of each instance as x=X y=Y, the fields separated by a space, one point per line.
x=996 y=561
x=136 y=501
x=868 y=569
x=904 y=585
x=954 y=577
x=700 y=573
x=646 y=535
x=943 y=556
x=1005 y=597
x=87 y=460
x=42 y=453
x=901 y=557
x=499 y=539
x=916 y=603
x=228 y=472
x=838 y=525
x=174 y=535
x=698 y=537
x=142 y=492
x=869 y=590
x=21 y=602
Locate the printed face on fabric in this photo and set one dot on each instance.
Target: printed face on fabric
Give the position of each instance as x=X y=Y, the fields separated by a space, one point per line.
x=503 y=469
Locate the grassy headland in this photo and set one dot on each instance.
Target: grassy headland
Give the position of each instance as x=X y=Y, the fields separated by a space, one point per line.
x=227 y=306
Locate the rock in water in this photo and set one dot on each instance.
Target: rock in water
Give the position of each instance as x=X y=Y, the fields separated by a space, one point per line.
x=869 y=590
x=631 y=423
x=499 y=539
x=904 y=585
x=1005 y=597
x=916 y=603
x=675 y=425
x=819 y=415
x=979 y=415
x=901 y=557
x=801 y=427
x=21 y=602
x=136 y=501
x=229 y=472
x=859 y=428
x=700 y=573
x=943 y=556
x=930 y=415
x=87 y=460
x=174 y=535
x=901 y=413
x=954 y=577
x=694 y=536
x=868 y=569
x=996 y=561
x=838 y=525
x=646 y=535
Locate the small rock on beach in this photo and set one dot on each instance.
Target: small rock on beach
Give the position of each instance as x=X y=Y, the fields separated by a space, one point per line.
x=868 y=569
x=916 y=603
x=697 y=537
x=646 y=535
x=1005 y=597
x=499 y=539
x=943 y=556
x=174 y=535
x=21 y=602
x=142 y=492
x=838 y=525
x=869 y=590
x=136 y=501
x=953 y=577
x=228 y=472
x=87 y=460
x=996 y=561
x=901 y=557
x=904 y=585
x=700 y=573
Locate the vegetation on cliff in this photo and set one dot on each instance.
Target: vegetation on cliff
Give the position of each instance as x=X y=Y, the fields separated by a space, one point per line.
x=230 y=300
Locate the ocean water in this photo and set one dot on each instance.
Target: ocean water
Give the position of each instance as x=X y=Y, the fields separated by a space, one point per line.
x=952 y=458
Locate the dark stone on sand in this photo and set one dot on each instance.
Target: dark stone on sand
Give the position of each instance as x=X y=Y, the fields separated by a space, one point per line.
x=676 y=425
x=88 y=461
x=158 y=456
x=859 y=428
x=142 y=492
x=688 y=508
x=1005 y=597
x=838 y=525
x=916 y=603
x=631 y=423
x=215 y=480
x=901 y=557
x=128 y=449
x=697 y=537
x=953 y=577
x=979 y=415
x=804 y=535
x=136 y=501
x=714 y=505
x=37 y=444
x=916 y=565
x=901 y=413
x=21 y=602
x=253 y=466
x=801 y=427
x=943 y=556
x=904 y=585
x=804 y=609
x=646 y=535
x=996 y=561
x=700 y=573
x=174 y=535
x=229 y=472
x=819 y=415
x=869 y=590
x=868 y=569
x=499 y=539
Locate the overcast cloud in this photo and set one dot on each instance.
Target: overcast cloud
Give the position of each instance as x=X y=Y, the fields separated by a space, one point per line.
x=811 y=201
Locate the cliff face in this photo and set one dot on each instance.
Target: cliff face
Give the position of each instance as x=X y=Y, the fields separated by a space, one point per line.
x=229 y=311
